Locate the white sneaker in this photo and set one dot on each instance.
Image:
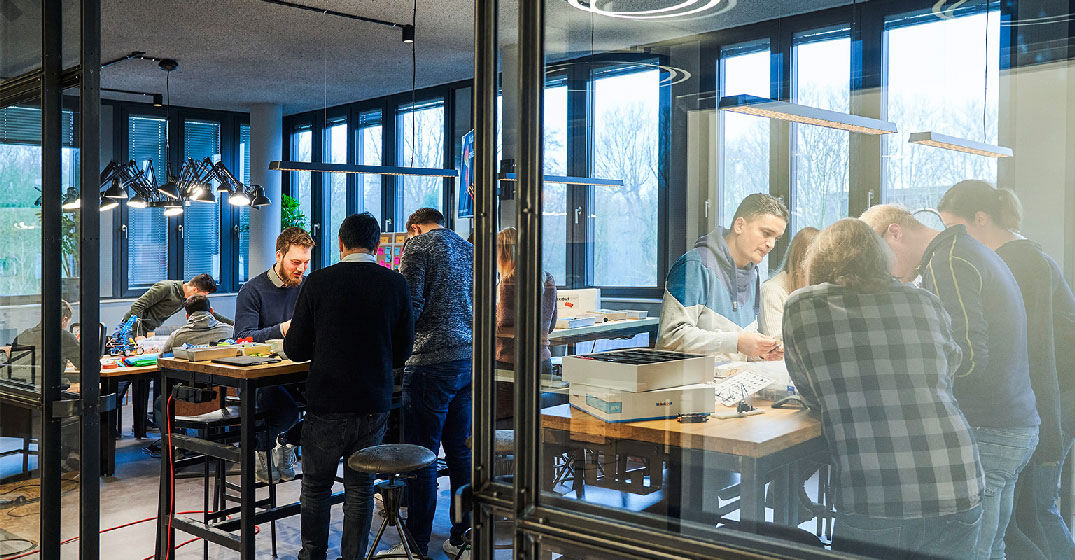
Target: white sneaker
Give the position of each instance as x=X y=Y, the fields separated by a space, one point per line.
x=284 y=460
x=261 y=468
x=456 y=552
x=397 y=551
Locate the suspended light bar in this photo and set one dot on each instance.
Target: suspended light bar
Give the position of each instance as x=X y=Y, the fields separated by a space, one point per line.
x=568 y=180
x=793 y=112
x=929 y=138
x=369 y=169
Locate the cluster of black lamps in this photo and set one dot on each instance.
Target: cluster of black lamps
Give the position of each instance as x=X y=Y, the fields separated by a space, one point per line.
x=194 y=184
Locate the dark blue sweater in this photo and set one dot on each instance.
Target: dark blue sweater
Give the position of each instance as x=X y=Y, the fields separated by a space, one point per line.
x=980 y=294
x=261 y=306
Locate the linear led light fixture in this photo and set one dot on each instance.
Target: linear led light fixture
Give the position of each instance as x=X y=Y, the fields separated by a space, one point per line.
x=370 y=169
x=782 y=110
x=929 y=138
x=568 y=180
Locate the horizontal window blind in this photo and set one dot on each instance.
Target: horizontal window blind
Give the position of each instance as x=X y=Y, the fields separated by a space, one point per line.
x=147 y=228
x=243 y=266
x=22 y=125
x=201 y=220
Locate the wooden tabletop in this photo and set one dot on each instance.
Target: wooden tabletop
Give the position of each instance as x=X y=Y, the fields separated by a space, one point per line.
x=751 y=436
x=238 y=372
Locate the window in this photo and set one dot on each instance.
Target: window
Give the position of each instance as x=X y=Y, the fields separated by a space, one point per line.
x=939 y=79
x=744 y=165
x=335 y=151
x=242 y=265
x=554 y=206
x=626 y=144
x=147 y=228
x=420 y=144
x=201 y=220
x=368 y=150
x=819 y=155
x=20 y=180
x=301 y=181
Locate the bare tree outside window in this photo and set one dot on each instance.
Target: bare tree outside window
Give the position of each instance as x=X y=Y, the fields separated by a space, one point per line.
x=744 y=165
x=937 y=82
x=422 y=139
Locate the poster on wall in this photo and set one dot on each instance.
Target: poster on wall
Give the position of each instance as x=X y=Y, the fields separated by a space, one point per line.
x=466 y=199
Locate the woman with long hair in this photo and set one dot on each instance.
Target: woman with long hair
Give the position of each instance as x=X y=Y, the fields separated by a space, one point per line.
x=777 y=289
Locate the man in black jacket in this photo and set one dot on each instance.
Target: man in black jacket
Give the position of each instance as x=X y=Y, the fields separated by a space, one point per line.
x=992 y=383
x=353 y=321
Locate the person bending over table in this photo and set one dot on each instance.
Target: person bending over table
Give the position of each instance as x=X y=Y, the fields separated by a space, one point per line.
x=263 y=310
x=993 y=216
x=989 y=321
x=775 y=291
x=711 y=298
x=877 y=359
x=353 y=322
x=167 y=297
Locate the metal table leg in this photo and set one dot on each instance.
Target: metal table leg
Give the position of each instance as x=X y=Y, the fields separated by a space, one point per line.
x=247 y=413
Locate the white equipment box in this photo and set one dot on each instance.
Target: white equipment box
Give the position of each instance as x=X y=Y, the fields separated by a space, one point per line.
x=572 y=303
x=638 y=369
x=612 y=405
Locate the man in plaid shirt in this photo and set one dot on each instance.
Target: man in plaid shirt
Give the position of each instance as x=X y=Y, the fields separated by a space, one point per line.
x=877 y=359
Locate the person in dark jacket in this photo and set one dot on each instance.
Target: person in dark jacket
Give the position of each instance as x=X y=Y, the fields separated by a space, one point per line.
x=438 y=265
x=353 y=322
x=167 y=297
x=263 y=311
x=993 y=216
x=992 y=384
x=27 y=352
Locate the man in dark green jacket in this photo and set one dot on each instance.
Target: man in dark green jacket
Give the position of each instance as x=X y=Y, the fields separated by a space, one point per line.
x=167 y=297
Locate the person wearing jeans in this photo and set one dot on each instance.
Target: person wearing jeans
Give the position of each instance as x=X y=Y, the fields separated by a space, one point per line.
x=439 y=266
x=989 y=321
x=437 y=407
x=328 y=438
x=353 y=322
x=877 y=359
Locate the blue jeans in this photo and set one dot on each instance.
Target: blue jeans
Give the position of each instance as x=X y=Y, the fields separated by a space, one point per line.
x=951 y=537
x=1003 y=452
x=326 y=439
x=436 y=411
x=1037 y=530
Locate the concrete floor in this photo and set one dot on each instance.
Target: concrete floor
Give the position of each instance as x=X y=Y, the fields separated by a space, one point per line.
x=131 y=496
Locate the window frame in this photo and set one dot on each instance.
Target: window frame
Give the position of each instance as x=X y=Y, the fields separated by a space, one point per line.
x=229 y=145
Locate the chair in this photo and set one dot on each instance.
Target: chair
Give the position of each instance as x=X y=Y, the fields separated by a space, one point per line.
x=393 y=460
x=75 y=328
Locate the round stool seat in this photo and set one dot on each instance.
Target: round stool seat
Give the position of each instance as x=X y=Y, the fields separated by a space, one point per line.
x=396 y=458
x=504 y=441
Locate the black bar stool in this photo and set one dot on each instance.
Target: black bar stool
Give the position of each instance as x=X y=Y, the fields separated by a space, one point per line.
x=392 y=460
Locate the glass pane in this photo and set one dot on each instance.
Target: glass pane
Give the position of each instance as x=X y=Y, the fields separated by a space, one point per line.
x=301 y=189
x=147 y=228
x=820 y=155
x=335 y=151
x=368 y=150
x=420 y=129
x=242 y=268
x=744 y=166
x=937 y=81
x=201 y=220
x=626 y=138
x=554 y=211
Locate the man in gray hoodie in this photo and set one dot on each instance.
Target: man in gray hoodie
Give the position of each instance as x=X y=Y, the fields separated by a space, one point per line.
x=201 y=328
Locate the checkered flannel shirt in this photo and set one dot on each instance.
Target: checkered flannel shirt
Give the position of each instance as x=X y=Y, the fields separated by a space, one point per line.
x=879 y=367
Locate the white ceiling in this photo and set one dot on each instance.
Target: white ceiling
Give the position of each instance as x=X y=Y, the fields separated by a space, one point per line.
x=233 y=53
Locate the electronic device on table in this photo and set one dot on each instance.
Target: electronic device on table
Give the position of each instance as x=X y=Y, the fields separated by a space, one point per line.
x=122 y=343
x=638 y=369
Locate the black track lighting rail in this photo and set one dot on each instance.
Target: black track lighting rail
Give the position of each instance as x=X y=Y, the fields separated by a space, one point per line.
x=340 y=14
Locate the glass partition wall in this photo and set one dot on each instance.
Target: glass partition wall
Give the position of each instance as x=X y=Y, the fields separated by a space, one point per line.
x=630 y=453
x=50 y=401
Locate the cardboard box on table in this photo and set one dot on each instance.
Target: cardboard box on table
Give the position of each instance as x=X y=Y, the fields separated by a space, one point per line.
x=637 y=369
x=572 y=303
x=612 y=405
